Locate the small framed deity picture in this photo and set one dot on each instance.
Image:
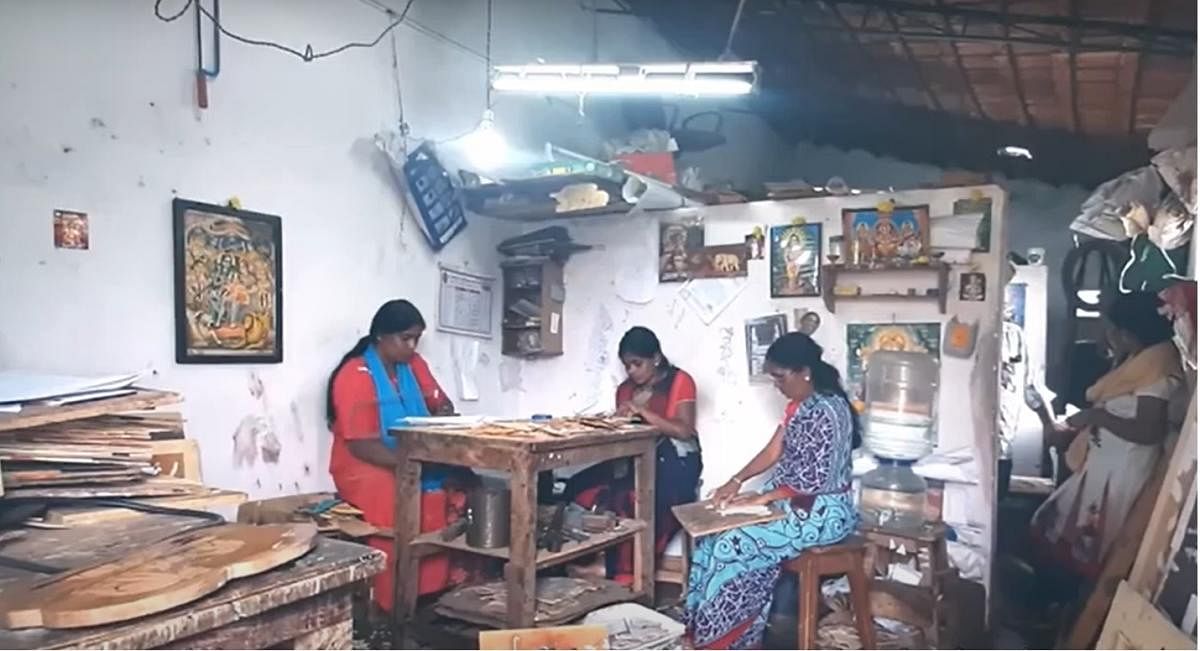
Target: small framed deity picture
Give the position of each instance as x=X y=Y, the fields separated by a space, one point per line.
x=70 y=230
x=972 y=287
x=796 y=260
x=893 y=237
x=680 y=250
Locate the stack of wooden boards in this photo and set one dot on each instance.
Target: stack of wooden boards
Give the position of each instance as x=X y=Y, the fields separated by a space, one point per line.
x=117 y=447
x=111 y=449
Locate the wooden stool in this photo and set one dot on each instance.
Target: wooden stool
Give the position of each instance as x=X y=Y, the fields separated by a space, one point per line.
x=847 y=557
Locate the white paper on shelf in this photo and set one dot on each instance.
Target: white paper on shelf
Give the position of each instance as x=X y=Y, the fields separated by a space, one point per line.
x=27 y=386
x=957 y=465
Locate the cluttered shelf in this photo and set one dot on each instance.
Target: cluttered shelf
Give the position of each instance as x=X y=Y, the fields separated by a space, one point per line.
x=570 y=550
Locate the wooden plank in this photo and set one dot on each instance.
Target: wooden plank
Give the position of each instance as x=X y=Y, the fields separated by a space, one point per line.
x=703 y=519
x=1153 y=555
x=37 y=415
x=626 y=528
x=1134 y=623
x=336 y=636
x=407 y=523
x=179 y=458
x=520 y=573
x=643 y=509
x=332 y=565
x=162 y=576
x=157 y=487
x=211 y=499
x=553 y=637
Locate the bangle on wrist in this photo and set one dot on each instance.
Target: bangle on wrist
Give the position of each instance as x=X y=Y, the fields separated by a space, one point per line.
x=737 y=480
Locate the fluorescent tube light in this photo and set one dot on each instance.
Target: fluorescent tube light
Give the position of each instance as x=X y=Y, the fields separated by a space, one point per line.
x=712 y=79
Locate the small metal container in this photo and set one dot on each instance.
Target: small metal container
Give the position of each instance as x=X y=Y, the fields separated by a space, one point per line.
x=487 y=517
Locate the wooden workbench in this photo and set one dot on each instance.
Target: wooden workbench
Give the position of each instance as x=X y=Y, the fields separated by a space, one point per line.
x=305 y=604
x=523 y=456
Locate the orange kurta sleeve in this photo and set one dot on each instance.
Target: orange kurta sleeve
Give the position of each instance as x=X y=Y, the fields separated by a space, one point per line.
x=433 y=393
x=355 y=402
x=683 y=390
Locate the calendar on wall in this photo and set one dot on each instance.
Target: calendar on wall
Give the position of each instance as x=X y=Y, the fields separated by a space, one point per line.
x=465 y=303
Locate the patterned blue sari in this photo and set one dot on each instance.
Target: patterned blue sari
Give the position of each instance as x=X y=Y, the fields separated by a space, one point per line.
x=733 y=573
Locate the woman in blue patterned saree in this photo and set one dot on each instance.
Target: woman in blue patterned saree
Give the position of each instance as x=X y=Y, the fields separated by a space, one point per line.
x=733 y=573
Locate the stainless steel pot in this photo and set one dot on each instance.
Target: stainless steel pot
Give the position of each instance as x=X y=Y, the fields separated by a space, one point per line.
x=487 y=517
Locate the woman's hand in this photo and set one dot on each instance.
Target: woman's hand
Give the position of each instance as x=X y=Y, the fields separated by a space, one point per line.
x=630 y=409
x=1059 y=434
x=725 y=492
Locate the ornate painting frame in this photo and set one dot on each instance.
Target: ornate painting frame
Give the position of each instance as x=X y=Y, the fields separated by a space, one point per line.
x=228 y=285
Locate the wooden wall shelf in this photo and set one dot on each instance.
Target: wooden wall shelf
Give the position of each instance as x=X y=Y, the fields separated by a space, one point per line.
x=831 y=273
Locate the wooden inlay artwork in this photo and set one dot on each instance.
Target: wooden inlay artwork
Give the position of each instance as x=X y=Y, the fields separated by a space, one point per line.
x=159 y=577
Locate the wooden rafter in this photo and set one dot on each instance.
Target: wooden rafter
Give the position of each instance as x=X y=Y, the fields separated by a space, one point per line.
x=1073 y=12
x=916 y=64
x=1135 y=87
x=868 y=60
x=1015 y=70
x=962 y=70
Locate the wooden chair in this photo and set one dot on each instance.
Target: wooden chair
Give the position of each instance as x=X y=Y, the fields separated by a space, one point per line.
x=847 y=557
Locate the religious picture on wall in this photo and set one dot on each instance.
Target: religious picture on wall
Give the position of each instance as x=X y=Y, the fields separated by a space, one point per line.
x=863 y=339
x=228 y=285
x=760 y=334
x=1014 y=303
x=756 y=244
x=796 y=260
x=70 y=230
x=724 y=261
x=895 y=235
x=805 y=321
x=972 y=286
x=680 y=250
x=978 y=205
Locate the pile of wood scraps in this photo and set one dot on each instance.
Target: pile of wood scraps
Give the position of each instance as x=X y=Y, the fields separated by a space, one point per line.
x=559 y=600
x=329 y=513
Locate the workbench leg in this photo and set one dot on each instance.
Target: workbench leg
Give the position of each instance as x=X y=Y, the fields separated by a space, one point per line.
x=407 y=526
x=520 y=573
x=643 y=556
x=339 y=635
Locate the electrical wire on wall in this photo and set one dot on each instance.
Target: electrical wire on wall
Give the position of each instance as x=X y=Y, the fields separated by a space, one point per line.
x=307 y=55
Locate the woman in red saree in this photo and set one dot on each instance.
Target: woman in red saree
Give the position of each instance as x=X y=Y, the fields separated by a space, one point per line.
x=663 y=396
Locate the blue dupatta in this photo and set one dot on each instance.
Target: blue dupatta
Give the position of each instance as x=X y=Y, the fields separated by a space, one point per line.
x=396 y=405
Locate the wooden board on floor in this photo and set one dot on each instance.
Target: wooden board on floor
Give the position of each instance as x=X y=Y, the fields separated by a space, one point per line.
x=159 y=577
x=207 y=500
x=703 y=519
x=1134 y=623
x=157 y=487
x=553 y=637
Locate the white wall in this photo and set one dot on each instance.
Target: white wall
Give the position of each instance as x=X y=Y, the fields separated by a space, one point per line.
x=1039 y=214
x=97 y=113
x=735 y=416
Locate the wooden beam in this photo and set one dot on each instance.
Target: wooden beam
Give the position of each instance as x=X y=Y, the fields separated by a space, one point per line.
x=1072 y=64
x=868 y=60
x=935 y=103
x=1153 y=9
x=1065 y=89
x=1018 y=85
x=962 y=69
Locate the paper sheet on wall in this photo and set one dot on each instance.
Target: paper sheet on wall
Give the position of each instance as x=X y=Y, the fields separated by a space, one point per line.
x=510 y=375
x=709 y=297
x=637 y=273
x=598 y=358
x=466 y=365
x=465 y=303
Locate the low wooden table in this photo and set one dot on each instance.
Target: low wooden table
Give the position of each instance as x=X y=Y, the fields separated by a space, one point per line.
x=523 y=456
x=305 y=604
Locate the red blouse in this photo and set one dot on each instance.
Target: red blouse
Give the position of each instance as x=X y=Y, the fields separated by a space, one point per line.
x=683 y=390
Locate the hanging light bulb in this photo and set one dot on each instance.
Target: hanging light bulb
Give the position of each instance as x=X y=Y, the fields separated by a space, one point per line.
x=485 y=146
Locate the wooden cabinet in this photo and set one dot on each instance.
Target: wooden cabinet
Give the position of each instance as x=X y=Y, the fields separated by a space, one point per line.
x=533 y=307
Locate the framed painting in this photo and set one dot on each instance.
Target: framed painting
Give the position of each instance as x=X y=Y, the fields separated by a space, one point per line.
x=796 y=260
x=874 y=237
x=863 y=339
x=228 y=285
x=680 y=250
x=723 y=261
x=760 y=334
